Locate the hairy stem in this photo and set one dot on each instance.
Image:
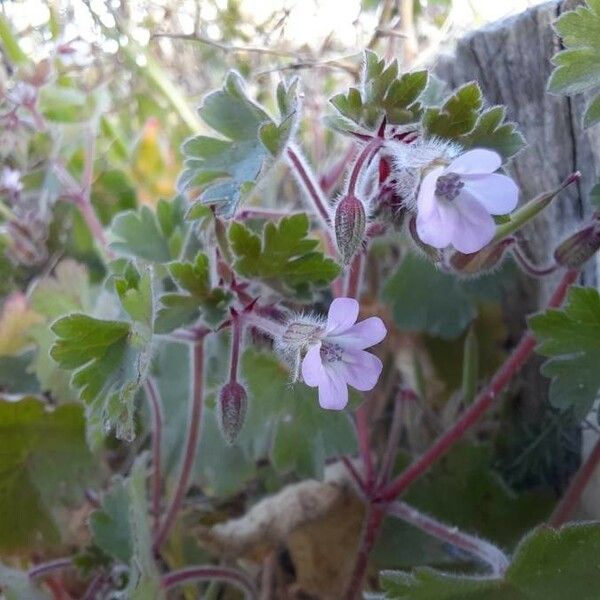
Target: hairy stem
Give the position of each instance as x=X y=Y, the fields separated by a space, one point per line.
x=210 y=573
x=372 y=524
x=270 y=327
x=155 y=404
x=481 y=549
x=482 y=403
x=364 y=444
x=43 y=569
x=529 y=267
x=355 y=276
x=364 y=157
x=309 y=183
x=570 y=500
x=236 y=341
x=191 y=445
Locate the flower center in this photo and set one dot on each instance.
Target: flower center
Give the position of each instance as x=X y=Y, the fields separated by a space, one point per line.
x=448 y=186
x=331 y=352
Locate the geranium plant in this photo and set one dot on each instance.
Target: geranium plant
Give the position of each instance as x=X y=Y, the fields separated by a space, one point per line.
x=194 y=381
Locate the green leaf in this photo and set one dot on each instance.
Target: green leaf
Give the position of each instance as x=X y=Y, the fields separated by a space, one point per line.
x=284 y=254
x=178 y=309
x=548 y=565
x=286 y=420
x=17 y=585
x=462 y=120
x=570 y=336
x=110 y=527
x=423 y=298
x=109 y=360
x=381 y=93
x=578 y=65
x=492 y=132
x=144 y=577
x=135 y=293
x=221 y=171
x=44 y=462
x=66 y=291
x=155 y=237
x=10 y=43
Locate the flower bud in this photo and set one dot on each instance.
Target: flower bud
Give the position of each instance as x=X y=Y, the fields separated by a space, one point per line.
x=485 y=259
x=350 y=226
x=231 y=410
x=576 y=250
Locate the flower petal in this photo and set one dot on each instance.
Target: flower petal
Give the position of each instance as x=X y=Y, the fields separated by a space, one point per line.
x=475 y=227
x=312 y=366
x=476 y=161
x=436 y=227
x=361 y=335
x=498 y=193
x=361 y=370
x=343 y=313
x=426 y=201
x=333 y=391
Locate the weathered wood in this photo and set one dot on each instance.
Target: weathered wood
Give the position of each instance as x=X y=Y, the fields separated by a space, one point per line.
x=511 y=61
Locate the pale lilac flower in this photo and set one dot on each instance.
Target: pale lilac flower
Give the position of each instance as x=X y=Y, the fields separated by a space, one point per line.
x=10 y=181
x=338 y=359
x=455 y=203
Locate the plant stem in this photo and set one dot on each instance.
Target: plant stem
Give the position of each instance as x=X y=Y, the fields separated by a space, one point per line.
x=529 y=267
x=355 y=276
x=209 y=573
x=482 y=403
x=329 y=179
x=373 y=520
x=270 y=327
x=362 y=431
x=393 y=438
x=236 y=341
x=570 y=500
x=366 y=154
x=481 y=549
x=157 y=422
x=191 y=446
x=309 y=183
x=41 y=570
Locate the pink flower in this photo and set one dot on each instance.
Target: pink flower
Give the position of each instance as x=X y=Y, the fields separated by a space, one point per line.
x=455 y=203
x=339 y=358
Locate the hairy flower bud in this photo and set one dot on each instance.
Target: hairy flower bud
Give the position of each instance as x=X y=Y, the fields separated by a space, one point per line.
x=484 y=260
x=350 y=226
x=576 y=250
x=231 y=410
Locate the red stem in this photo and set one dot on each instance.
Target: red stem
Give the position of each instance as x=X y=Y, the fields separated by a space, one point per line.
x=157 y=422
x=570 y=500
x=482 y=403
x=309 y=182
x=366 y=154
x=329 y=179
x=355 y=276
x=373 y=520
x=191 y=443
x=236 y=340
x=210 y=573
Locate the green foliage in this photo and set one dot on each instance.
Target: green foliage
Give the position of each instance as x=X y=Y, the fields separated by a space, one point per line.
x=461 y=119
x=381 y=93
x=578 y=65
x=570 y=336
x=284 y=255
x=44 y=463
x=155 y=237
x=226 y=169
x=425 y=299
x=548 y=565
x=144 y=577
x=110 y=527
x=196 y=297
x=109 y=360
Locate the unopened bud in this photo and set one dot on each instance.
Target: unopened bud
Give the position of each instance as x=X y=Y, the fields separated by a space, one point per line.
x=479 y=262
x=231 y=410
x=576 y=250
x=350 y=226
